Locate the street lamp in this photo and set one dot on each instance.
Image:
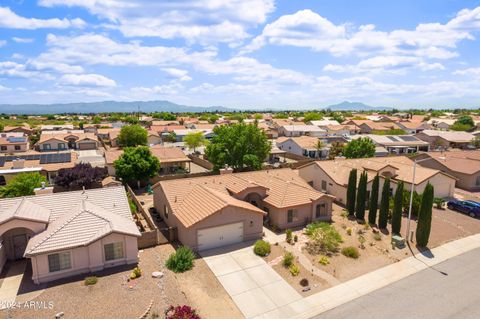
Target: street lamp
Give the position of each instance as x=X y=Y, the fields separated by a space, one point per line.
x=412 y=189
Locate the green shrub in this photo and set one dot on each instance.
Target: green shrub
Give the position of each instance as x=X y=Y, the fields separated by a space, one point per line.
x=261 y=248
x=181 y=260
x=377 y=236
x=325 y=239
x=135 y=273
x=289 y=234
x=288 y=259
x=439 y=202
x=295 y=238
x=323 y=260
x=351 y=252
x=89 y=281
x=304 y=282
x=349 y=231
x=294 y=270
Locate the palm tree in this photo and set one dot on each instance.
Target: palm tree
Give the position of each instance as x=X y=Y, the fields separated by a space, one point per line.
x=319 y=147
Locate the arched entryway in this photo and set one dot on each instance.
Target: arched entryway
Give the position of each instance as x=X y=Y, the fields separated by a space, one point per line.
x=14 y=242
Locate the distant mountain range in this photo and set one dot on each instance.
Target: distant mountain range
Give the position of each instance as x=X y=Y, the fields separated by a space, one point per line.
x=356 y=106
x=107 y=106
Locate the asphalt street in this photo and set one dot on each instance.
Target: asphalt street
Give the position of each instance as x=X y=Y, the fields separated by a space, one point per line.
x=448 y=290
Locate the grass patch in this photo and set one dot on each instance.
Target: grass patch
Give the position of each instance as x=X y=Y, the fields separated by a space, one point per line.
x=351 y=252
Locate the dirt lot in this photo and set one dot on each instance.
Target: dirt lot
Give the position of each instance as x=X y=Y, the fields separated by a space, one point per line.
x=316 y=284
x=114 y=297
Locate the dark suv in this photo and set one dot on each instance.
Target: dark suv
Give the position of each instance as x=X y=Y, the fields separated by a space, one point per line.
x=469 y=207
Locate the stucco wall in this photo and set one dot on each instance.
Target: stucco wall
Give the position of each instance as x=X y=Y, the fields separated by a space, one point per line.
x=11 y=148
x=86 y=259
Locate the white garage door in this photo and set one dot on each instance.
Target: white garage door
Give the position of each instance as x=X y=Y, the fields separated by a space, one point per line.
x=220 y=236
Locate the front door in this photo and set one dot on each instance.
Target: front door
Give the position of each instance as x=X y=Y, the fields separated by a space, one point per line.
x=19 y=245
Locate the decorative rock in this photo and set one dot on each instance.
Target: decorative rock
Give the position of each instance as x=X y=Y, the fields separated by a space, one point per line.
x=305 y=289
x=157 y=274
x=59 y=314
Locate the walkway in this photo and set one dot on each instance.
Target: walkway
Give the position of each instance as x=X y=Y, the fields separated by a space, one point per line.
x=11 y=283
x=253 y=285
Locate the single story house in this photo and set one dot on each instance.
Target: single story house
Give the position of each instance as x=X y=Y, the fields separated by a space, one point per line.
x=234 y=206
x=463 y=165
x=302 y=146
x=69 y=233
x=341 y=130
x=446 y=139
x=65 y=141
x=25 y=129
x=153 y=138
x=171 y=159
x=60 y=127
x=47 y=164
x=413 y=127
x=331 y=177
x=397 y=144
x=299 y=130
x=323 y=123
x=371 y=127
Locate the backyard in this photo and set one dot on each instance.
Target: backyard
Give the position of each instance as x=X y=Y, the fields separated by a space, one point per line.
x=324 y=271
x=115 y=297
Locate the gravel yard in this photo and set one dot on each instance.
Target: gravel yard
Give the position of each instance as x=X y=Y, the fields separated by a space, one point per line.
x=113 y=297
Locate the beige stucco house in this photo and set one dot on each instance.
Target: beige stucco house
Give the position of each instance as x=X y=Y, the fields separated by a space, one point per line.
x=65 y=234
x=60 y=141
x=331 y=177
x=218 y=210
x=13 y=143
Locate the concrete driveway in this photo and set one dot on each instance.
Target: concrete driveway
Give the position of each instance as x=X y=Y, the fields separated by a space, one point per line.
x=253 y=285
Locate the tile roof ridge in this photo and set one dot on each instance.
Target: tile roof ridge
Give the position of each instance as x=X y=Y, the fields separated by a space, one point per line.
x=67 y=221
x=22 y=202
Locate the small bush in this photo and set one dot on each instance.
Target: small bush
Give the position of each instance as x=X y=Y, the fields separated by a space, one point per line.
x=294 y=270
x=181 y=312
x=377 y=236
x=181 y=260
x=349 y=231
x=323 y=260
x=439 y=202
x=304 y=282
x=261 y=248
x=295 y=238
x=288 y=259
x=362 y=241
x=351 y=252
x=324 y=239
x=135 y=273
x=366 y=226
x=288 y=234
x=89 y=281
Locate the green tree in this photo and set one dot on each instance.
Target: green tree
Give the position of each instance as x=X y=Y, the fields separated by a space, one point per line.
x=372 y=210
x=351 y=192
x=384 y=205
x=336 y=149
x=136 y=164
x=2 y=127
x=319 y=147
x=96 y=120
x=171 y=137
x=397 y=210
x=463 y=123
x=312 y=116
x=360 y=148
x=361 y=197
x=22 y=185
x=132 y=135
x=240 y=146
x=194 y=140
x=476 y=141
x=424 y=223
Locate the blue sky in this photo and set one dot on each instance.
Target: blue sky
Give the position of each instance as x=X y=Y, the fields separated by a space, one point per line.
x=241 y=53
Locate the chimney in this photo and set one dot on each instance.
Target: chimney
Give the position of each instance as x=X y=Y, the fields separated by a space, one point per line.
x=18 y=163
x=43 y=190
x=226 y=170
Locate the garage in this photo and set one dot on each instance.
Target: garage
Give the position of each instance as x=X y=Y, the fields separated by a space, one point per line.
x=87 y=146
x=213 y=237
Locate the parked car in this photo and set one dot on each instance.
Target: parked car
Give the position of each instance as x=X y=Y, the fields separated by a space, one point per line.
x=469 y=207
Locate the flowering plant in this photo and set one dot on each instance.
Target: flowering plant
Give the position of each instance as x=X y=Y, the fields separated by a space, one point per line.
x=181 y=312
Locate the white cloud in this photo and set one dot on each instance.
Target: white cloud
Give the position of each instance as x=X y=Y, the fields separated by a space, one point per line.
x=4 y=88
x=310 y=30
x=87 y=80
x=19 y=70
x=10 y=20
x=201 y=21
x=23 y=40
x=469 y=72
x=181 y=75
x=2 y=43
x=56 y=66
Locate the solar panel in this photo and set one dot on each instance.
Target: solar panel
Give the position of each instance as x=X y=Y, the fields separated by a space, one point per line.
x=2 y=162
x=13 y=139
x=55 y=158
x=392 y=138
x=407 y=138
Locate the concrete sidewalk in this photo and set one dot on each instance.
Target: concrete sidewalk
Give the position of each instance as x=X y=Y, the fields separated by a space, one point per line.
x=11 y=283
x=333 y=297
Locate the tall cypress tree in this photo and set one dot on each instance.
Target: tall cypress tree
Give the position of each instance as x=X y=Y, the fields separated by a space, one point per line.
x=384 y=205
x=397 y=210
x=372 y=212
x=361 y=197
x=424 y=223
x=351 y=192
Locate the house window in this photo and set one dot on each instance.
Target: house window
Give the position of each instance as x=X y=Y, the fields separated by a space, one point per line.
x=321 y=210
x=165 y=211
x=3 y=148
x=478 y=181
x=61 y=146
x=113 y=251
x=60 y=261
x=324 y=186
x=292 y=215
x=17 y=147
x=47 y=147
